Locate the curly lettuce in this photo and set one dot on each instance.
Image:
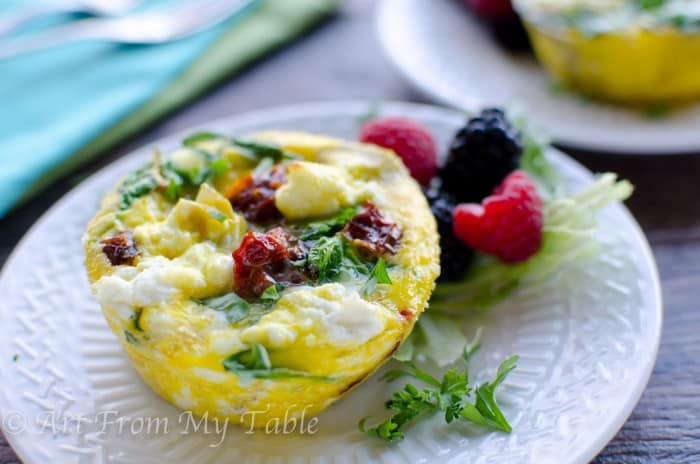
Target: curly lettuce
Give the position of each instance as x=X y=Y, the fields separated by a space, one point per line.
x=569 y=235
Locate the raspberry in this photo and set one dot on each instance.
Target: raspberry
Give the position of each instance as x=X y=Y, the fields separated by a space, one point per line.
x=508 y=224
x=481 y=155
x=492 y=9
x=412 y=141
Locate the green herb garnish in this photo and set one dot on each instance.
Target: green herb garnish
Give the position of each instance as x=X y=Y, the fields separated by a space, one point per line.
x=217 y=215
x=15 y=358
x=194 y=139
x=178 y=178
x=254 y=150
x=219 y=166
x=325 y=258
x=330 y=226
x=264 y=150
x=173 y=191
x=130 y=338
x=136 y=319
x=136 y=185
x=255 y=363
x=452 y=396
x=236 y=309
x=651 y=4
x=172 y=180
x=378 y=275
x=233 y=306
x=270 y=295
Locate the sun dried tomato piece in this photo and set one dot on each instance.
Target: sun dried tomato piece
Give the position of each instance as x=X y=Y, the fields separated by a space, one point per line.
x=120 y=249
x=265 y=259
x=371 y=233
x=260 y=249
x=254 y=196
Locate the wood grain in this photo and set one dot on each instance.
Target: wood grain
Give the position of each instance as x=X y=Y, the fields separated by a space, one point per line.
x=342 y=60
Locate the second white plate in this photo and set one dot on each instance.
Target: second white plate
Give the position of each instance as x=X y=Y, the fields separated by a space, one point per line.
x=446 y=54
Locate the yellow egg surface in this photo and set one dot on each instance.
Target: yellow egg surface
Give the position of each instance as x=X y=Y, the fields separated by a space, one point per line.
x=336 y=254
x=620 y=51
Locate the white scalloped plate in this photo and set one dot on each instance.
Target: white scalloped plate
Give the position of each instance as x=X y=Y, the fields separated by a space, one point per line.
x=587 y=340
x=445 y=53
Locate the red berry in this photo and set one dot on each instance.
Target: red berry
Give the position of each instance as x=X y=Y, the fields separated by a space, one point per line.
x=492 y=9
x=412 y=141
x=507 y=224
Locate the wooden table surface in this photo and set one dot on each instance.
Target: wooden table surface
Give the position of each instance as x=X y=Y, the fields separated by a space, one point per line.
x=342 y=60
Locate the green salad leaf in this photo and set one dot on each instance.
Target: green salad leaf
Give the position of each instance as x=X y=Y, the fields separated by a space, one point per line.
x=569 y=233
x=437 y=337
x=533 y=160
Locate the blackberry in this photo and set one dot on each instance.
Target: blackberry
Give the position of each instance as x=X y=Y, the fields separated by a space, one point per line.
x=482 y=154
x=510 y=33
x=455 y=255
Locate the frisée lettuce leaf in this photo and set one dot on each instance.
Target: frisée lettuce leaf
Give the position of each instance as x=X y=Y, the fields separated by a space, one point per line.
x=569 y=235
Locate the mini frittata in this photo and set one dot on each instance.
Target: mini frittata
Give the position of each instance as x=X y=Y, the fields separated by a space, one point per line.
x=628 y=51
x=270 y=274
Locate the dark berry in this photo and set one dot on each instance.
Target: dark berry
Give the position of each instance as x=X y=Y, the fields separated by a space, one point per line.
x=481 y=155
x=455 y=255
x=510 y=33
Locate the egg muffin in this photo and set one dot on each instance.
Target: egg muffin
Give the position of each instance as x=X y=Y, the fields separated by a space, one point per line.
x=626 y=51
x=261 y=278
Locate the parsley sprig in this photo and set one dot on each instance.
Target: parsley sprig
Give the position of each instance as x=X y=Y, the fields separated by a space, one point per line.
x=330 y=258
x=452 y=396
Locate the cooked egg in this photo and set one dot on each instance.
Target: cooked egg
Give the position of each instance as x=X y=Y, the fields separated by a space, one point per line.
x=313 y=339
x=623 y=50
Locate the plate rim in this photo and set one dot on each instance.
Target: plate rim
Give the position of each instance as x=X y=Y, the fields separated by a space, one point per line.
x=600 y=146
x=603 y=437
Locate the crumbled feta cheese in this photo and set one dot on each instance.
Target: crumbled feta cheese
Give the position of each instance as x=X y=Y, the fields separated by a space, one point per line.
x=314 y=190
x=330 y=314
x=157 y=280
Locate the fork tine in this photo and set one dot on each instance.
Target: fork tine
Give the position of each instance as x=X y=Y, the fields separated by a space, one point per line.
x=144 y=28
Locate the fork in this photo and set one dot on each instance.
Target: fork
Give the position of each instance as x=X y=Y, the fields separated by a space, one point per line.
x=150 y=27
x=11 y=21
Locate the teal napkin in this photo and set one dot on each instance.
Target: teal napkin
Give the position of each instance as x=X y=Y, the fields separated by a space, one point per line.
x=63 y=106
